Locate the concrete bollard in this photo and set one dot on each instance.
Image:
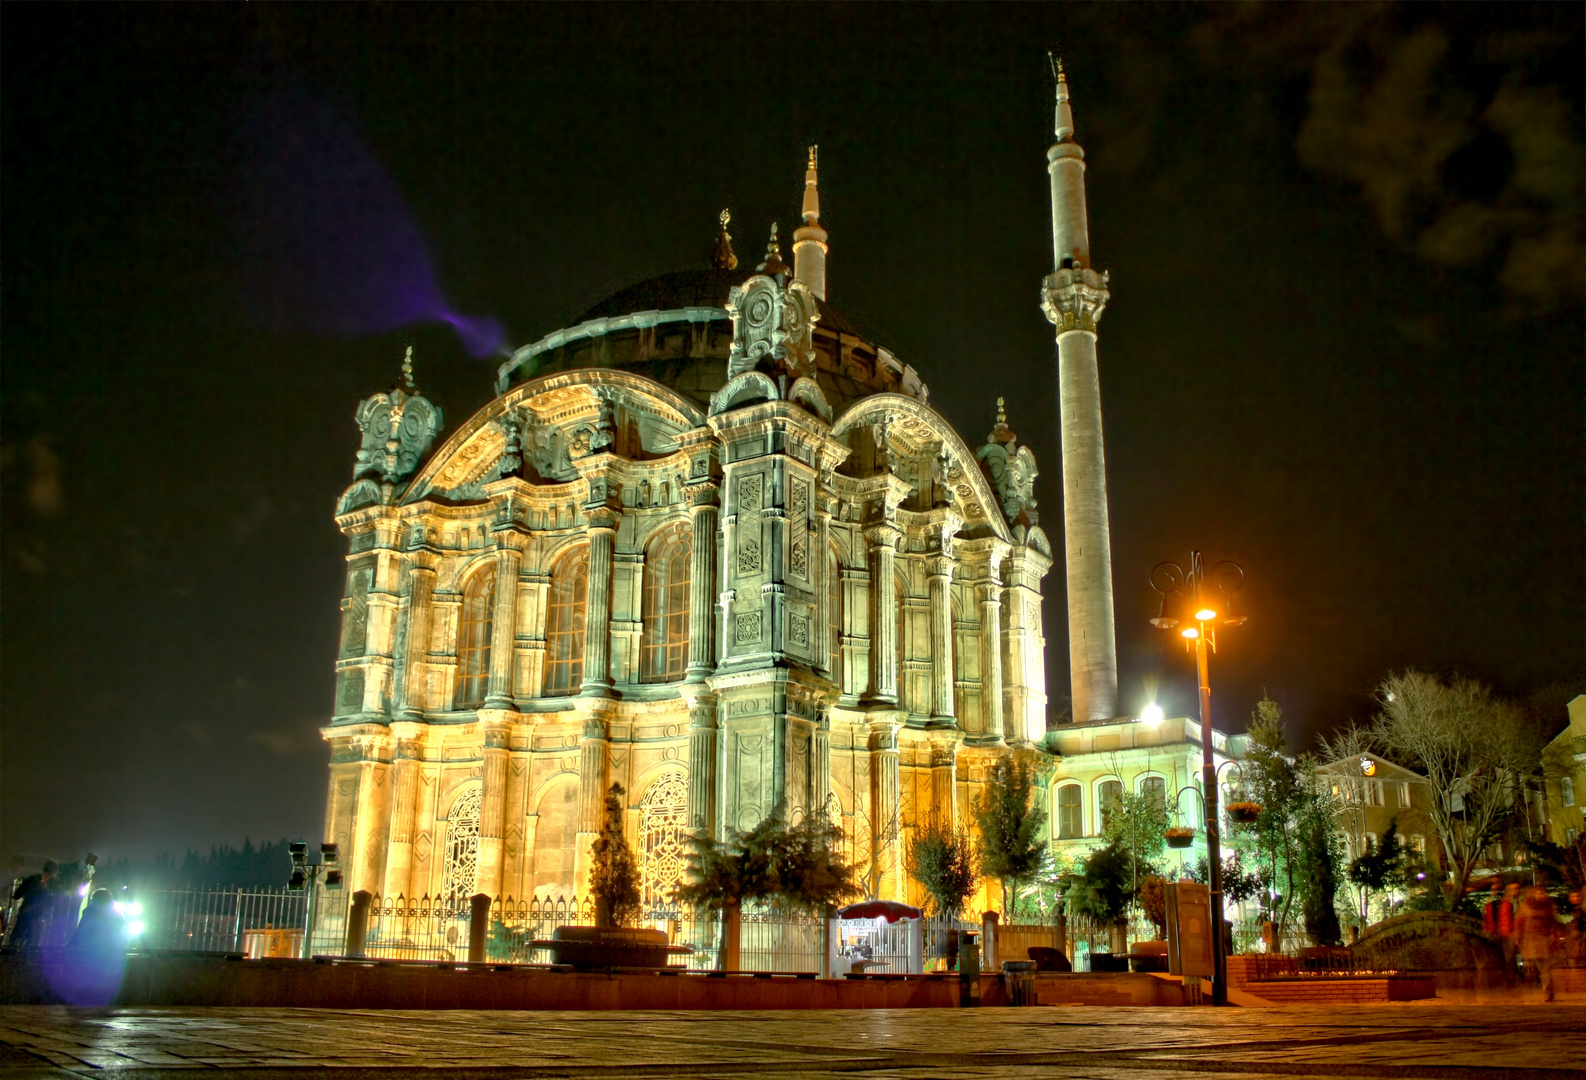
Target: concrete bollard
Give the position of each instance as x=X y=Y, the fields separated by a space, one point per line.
x=478 y=927
x=731 y=928
x=989 y=953
x=357 y=923
x=916 y=946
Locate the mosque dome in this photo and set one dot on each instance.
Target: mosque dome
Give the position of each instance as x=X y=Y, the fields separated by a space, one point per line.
x=675 y=329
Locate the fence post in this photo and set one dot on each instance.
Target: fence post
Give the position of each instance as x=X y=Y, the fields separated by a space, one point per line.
x=988 y=940
x=731 y=927
x=830 y=933
x=916 y=945
x=358 y=923
x=478 y=927
x=236 y=945
x=310 y=910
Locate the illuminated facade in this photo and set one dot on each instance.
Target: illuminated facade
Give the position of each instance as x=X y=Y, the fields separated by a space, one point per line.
x=711 y=544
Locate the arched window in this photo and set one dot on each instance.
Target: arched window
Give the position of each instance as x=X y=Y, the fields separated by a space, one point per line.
x=460 y=868
x=473 y=639
x=1070 y=817
x=1109 y=795
x=663 y=656
x=663 y=839
x=834 y=618
x=564 y=624
x=1154 y=785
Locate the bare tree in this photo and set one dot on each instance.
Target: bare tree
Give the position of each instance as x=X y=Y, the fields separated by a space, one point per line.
x=1470 y=745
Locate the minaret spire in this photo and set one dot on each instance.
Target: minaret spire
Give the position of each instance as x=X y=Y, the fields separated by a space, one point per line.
x=1073 y=297
x=809 y=239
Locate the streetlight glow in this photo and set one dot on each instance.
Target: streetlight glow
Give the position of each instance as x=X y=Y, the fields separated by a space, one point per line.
x=1205 y=614
x=1190 y=632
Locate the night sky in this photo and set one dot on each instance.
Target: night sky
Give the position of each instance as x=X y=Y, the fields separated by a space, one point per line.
x=1344 y=345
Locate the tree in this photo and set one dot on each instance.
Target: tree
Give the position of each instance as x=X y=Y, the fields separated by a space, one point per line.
x=1103 y=890
x=1274 y=780
x=1012 y=847
x=1320 y=863
x=613 y=872
x=1136 y=824
x=1153 y=902
x=1472 y=748
x=1379 y=867
x=942 y=859
x=797 y=867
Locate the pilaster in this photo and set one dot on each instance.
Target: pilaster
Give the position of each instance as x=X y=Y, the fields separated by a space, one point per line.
x=492 y=805
x=603 y=521
x=703 y=512
x=504 y=619
x=882 y=540
x=404 y=806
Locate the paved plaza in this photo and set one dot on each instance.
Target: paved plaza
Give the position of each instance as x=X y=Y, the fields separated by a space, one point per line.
x=1487 y=1041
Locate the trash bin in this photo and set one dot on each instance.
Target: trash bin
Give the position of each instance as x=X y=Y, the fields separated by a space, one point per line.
x=1018 y=977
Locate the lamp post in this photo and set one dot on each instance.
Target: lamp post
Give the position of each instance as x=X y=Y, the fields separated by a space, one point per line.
x=1187 y=598
x=305 y=875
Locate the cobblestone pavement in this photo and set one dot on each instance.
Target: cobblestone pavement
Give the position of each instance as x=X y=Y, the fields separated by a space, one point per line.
x=1483 y=1042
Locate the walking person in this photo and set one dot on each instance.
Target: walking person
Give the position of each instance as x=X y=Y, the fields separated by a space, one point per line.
x=32 y=898
x=1539 y=933
x=1497 y=919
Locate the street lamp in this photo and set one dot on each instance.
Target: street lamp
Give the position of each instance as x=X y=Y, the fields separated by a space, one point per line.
x=1203 y=605
x=304 y=876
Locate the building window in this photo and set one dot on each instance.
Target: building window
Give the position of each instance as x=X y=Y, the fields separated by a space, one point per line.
x=1070 y=823
x=663 y=839
x=1566 y=787
x=1418 y=843
x=1109 y=797
x=564 y=624
x=834 y=620
x=459 y=870
x=1154 y=785
x=664 y=654
x=1404 y=794
x=1374 y=792
x=473 y=639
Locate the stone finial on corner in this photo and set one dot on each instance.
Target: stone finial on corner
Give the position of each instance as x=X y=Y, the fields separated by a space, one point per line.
x=724 y=258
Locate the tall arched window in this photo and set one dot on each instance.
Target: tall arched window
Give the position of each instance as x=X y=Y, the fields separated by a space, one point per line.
x=1156 y=786
x=473 y=639
x=834 y=618
x=663 y=839
x=1070 y=818
x=460 y=864
x=564 y=624
x=663 y=656
x=1109 y=796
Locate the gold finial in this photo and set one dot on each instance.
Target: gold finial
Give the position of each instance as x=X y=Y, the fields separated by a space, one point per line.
x=1000 y=432
x=407 y=371
x=812 y=156
x=1002 y=411
x=724 y=258
x=773 y=256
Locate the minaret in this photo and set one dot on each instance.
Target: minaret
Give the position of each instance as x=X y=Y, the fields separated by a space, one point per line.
x=809 y=239
x=1073 y=296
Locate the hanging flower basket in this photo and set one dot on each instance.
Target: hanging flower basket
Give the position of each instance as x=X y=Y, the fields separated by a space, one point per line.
x=1244 y=812
x=1178 y=836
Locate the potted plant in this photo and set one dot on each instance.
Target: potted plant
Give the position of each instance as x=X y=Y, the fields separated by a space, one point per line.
x=614 y=886
x=1152 y=955
x=1244 y=811
x=1179 y=836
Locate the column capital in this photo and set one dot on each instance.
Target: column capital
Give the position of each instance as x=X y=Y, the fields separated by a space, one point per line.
x=602 y=518
x=941 y=566
x=1074 y=299
x=883 y=534
x=704 y=495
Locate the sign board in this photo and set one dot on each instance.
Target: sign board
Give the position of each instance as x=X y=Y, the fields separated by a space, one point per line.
x=1189 y=929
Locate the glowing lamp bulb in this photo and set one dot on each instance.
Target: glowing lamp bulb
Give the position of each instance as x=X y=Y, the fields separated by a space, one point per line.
x=1151 y=714
x=1190 y=632
x=1205 y=614
x=135 y=928
x=134 y=909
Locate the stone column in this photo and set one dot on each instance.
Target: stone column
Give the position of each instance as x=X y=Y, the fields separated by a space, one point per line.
x=821 y=763
x=702 y=739
x=882 y=540
x=990 y=590
x=702 y=582
x=372 y=824
x=597 y=613
x=512 y=824
x=404 y=807
x=941 y=569
x=503 y=627
x=594 y=757
x=886 y=828
x=944 y=777
x=415 y=675
x=492 y=808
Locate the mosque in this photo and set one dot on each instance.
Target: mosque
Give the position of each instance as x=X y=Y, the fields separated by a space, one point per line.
x=713 y=544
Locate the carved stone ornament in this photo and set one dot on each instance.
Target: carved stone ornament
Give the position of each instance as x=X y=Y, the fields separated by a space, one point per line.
x=398 y=427
x=1011 y=470
x=772 y=328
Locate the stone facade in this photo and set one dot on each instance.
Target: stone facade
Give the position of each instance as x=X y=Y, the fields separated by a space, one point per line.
x=731 y=598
